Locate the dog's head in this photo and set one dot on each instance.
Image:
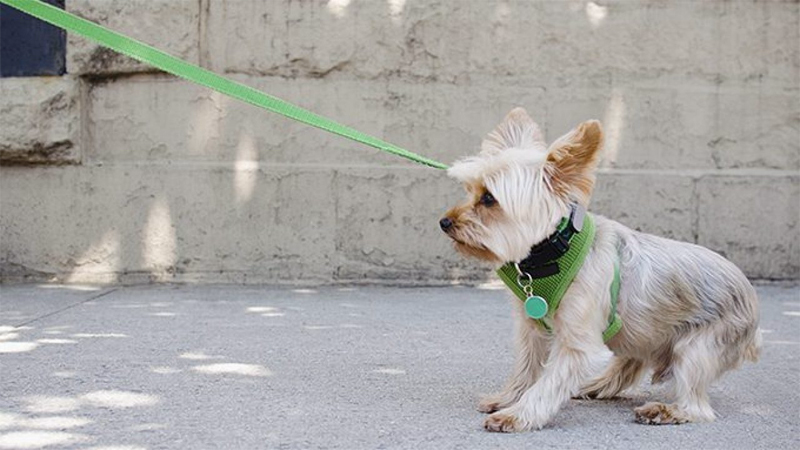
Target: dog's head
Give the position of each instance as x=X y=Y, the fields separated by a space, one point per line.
x=518 y=188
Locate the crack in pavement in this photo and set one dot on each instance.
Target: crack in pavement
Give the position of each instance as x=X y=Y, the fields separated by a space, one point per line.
x=52 y=313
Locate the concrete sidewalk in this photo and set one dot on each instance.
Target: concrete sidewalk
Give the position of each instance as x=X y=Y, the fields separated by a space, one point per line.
x=197 y=367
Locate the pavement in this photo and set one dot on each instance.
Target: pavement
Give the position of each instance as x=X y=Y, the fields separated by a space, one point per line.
x=256 y=367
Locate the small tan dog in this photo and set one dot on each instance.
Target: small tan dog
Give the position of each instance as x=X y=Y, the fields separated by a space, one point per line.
x=688 y=314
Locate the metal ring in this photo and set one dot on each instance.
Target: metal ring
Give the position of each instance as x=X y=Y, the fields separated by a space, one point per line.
x=528 y=290
x=519 y=279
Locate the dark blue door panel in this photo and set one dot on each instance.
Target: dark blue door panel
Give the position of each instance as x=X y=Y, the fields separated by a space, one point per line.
x=30 y=47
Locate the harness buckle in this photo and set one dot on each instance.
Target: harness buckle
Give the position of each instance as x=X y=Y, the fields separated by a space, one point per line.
x=560 y=243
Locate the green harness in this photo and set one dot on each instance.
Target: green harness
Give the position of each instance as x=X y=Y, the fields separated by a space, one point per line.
x=542 y=295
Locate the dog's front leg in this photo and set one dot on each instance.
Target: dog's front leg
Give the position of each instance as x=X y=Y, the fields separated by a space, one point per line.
x=569 y=365
x=532 y=346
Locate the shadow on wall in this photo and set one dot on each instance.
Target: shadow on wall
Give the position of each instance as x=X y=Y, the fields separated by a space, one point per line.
x=242 y=221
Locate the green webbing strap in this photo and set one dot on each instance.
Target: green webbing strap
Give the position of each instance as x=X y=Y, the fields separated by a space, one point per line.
x=156 y=58
x=615 y=322
x=553 y=287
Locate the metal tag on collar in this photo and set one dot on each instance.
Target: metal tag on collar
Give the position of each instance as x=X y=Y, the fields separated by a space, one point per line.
x=536 y=307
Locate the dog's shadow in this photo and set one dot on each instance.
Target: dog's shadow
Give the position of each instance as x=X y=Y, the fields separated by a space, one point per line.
x=591 y=412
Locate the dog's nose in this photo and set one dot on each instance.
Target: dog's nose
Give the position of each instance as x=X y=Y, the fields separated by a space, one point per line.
x=446 y=224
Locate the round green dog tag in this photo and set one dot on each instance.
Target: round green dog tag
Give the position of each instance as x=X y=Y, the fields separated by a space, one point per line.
x=536 y=307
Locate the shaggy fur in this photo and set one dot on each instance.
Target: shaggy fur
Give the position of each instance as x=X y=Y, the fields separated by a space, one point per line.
x=688 y=314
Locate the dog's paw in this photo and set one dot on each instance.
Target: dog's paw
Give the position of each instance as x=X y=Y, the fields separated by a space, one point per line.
x=492 y=403
x=655 y=413
x=503 y=422
x=489 y=405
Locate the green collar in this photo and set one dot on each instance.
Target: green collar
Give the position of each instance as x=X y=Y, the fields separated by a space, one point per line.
x=542 y=295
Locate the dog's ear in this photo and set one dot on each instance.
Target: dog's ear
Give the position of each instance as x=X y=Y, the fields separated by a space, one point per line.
x=517 y=130
x=571 y=161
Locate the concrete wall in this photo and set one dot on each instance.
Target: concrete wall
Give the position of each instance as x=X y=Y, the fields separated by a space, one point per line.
x=117 y=173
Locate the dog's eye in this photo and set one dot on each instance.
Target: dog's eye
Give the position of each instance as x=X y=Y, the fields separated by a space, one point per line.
x=487 y=199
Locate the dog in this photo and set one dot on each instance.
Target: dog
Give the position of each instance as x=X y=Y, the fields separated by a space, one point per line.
x=688 y=314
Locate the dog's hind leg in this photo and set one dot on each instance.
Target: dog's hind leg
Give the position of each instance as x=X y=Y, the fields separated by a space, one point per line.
x=532 y=347
x=698 y=360
x=621 y=374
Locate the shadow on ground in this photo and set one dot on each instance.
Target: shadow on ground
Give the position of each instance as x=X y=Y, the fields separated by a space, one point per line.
x=353 y=367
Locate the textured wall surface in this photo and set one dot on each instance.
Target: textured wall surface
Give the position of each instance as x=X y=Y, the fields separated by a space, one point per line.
x=115 y=172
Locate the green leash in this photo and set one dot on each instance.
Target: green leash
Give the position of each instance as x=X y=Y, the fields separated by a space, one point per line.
x=168 y=63
x=543 y=295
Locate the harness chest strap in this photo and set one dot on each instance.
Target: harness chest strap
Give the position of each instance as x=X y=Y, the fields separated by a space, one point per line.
x=551 y=288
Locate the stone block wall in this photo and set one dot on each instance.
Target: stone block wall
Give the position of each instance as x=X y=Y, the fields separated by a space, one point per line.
x=118 y=173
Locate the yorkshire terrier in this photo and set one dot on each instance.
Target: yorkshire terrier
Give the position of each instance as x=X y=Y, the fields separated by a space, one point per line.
x=688 y=314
